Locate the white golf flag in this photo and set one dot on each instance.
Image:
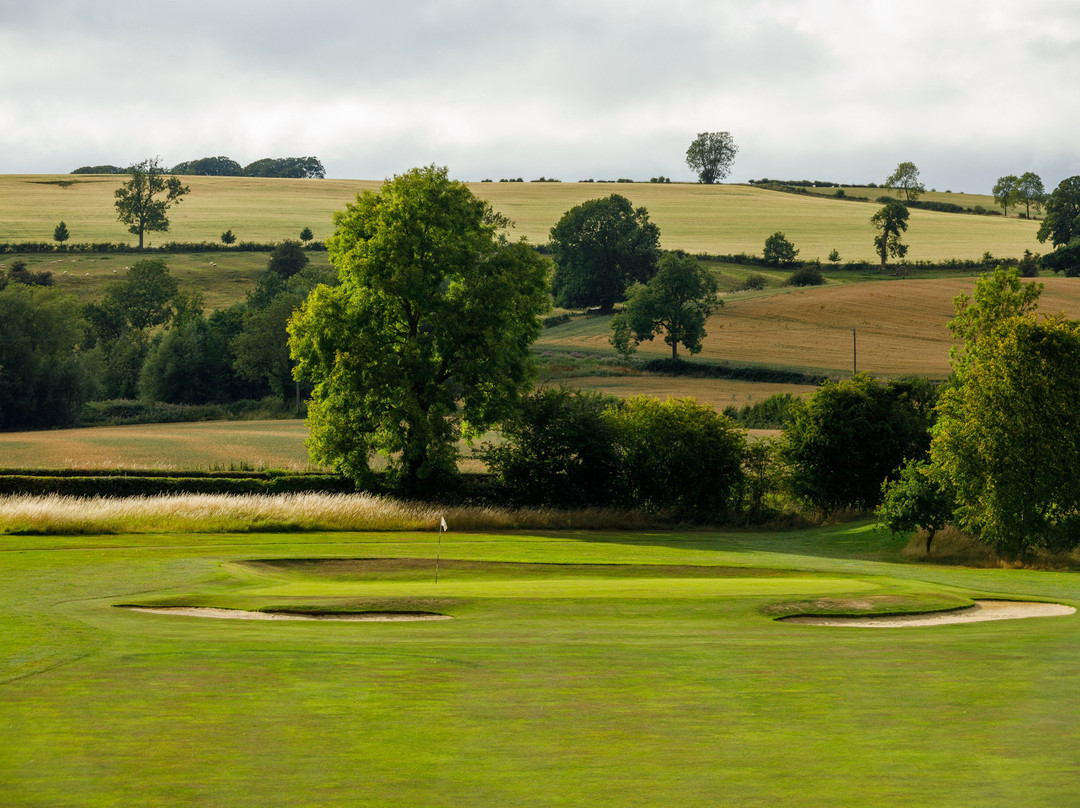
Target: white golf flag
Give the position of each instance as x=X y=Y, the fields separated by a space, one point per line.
x=442 y=523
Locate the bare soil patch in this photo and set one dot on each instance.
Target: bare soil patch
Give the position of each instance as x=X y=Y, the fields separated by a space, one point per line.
x=982 y=611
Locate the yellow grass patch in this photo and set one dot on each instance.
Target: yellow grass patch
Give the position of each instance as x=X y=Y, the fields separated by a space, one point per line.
x=901 y=326
x=228 y=513
x=720 y=219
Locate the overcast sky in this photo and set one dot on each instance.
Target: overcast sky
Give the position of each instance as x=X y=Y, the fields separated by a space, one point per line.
x=839 y=90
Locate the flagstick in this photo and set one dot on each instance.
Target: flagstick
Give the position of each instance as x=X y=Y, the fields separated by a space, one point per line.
x=438 y=551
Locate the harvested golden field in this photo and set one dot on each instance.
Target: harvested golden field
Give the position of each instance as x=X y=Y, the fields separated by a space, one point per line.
x=202 y=445
x=717 y=393
x=901 y=326
x=717 y=219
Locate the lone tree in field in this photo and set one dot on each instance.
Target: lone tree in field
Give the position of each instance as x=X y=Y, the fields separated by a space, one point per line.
x=779 y=251
x=1030 y=192
x=710 y=156
x=1007 y=191
x=906 y=179
x=136 y=202
x=428 y=335
x=891 y=220
x=61 y=234
x=677 y=300
x=600 y=247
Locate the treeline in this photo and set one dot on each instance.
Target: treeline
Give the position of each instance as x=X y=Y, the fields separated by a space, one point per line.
x=146 y=340
x=278 y=167
x=166 y=247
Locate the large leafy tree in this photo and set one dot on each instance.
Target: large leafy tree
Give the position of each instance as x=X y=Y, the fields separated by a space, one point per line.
x=600 y=248
x=892 y=221
x=1062 y=221
x=677 y=300
x=1008 y=436
x=711 y=155
x=906 y=180
x=428 y=334
x=139 y=201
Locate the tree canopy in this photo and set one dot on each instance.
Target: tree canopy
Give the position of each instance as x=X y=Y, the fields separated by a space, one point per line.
x=1062 y=221
x=428 y=334
x=1030 y=192
x=779 y=251
x=137 y=202
x=600 y=247
x=1007 y=191
x=677 y=300
x=891 y=220
x=711 y=155
x=906 y=179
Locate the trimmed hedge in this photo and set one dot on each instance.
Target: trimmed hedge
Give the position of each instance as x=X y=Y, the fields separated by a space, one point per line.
x=109 y=483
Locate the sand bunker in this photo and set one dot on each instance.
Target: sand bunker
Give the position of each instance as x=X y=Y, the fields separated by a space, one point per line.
x=237 y=614
x=982 y=610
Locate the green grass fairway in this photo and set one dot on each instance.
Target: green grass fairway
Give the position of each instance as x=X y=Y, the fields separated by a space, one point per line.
x=580 y=669
x=719 y=219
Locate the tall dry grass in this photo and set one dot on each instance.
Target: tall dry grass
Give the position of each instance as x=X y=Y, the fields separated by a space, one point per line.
x=223 y=513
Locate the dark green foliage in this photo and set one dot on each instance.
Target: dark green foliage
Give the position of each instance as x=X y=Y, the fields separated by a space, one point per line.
x=834 y=256
x=559 y=450
x=805 y=276
x=1028 y=266
x=83 y=483
x=106 y=169
x=43 y=380
x=678 y=458
x=850 y=436
x=753 y=282
x=287 y=259
x=209 y=167
x=710 y=156
x=600 y=248
x=61 y=234
x=775 y=412
x=1030 y=192
x=227 y=237
x=915 y=499
x=1062 y=221
x=1066 y=259
x=286 y=167
x=306 y=234
x=188 y=364
x=18 y=273
x=891 y=220
x=677 y=300
x=779 y=251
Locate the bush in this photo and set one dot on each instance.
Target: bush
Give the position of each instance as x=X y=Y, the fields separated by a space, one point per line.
x=559 y=451
x=753 y=282
x=678 y=458
x=806 y=276
x=852 y=435
x=775 y=412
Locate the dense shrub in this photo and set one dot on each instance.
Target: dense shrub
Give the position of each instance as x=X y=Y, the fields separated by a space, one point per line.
x=850 y=436
x=559 y=450
x=678 y=458
x=805 y=276
x=775 y=412
x=753 y=282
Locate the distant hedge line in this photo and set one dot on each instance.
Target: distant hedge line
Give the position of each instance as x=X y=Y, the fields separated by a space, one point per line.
x=109 y=483
x=167 y=247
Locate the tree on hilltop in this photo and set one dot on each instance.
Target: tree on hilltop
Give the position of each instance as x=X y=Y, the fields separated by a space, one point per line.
x=1007 y=191
x=136 y=202
x=891 y=220
x=906 y=180
x=710 y=155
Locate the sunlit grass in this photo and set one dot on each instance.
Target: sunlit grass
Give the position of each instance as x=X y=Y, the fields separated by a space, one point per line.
x=224 y=513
